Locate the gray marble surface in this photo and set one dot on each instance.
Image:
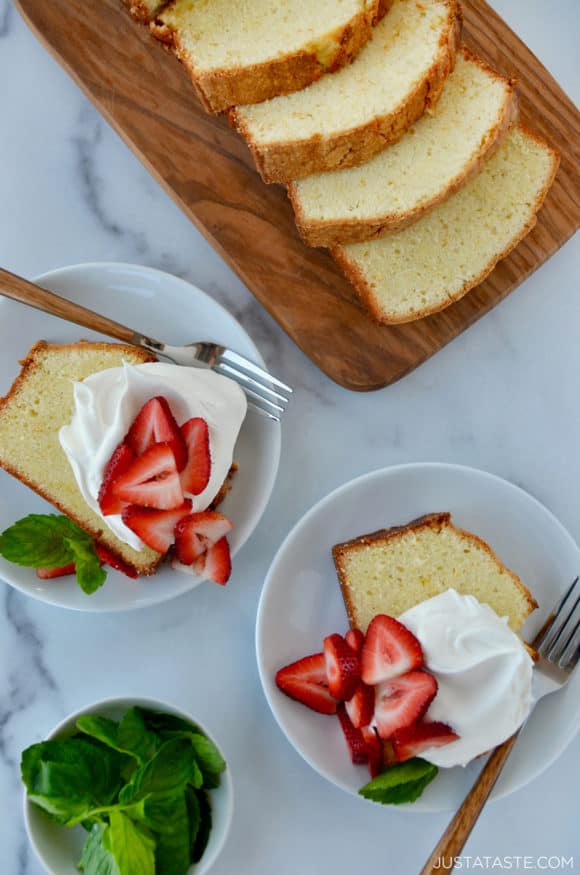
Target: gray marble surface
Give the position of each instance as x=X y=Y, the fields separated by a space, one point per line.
x=502 y=397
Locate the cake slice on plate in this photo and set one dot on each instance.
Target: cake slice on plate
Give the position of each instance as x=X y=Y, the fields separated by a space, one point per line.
x=393 y=570
x=435 y=158
x=252 y=50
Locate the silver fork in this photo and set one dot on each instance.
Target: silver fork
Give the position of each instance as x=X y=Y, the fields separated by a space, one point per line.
x=558 y=646
x=267 y=394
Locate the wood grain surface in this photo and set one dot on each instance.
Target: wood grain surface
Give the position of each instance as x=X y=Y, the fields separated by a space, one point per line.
x=147 y=97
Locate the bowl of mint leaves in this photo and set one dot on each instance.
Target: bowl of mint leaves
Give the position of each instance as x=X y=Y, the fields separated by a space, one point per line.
x=127 y=787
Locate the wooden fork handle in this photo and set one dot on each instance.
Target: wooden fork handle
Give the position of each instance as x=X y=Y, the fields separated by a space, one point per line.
x=25 y=292
x=453 y=839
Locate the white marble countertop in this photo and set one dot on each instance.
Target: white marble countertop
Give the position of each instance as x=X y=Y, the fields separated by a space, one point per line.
x=503 y=397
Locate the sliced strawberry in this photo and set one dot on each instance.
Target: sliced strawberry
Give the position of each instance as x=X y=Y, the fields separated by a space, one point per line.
x=354 y=737
x=360 y=708
x=402 y=701
x=196 y=473
x=156 y=528
x=355 y=639
x=152 y=480
x=218 y=563
x=107 y=557
x=196 y=531
x=305 y=681
x=374 y=750
x=120 y=461
x=342 y=667
x=49 y=573
x=413 y=740
x=155 y=424
x=389 y=650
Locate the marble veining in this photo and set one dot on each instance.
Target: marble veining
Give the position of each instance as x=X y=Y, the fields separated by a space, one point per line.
x=502 y=397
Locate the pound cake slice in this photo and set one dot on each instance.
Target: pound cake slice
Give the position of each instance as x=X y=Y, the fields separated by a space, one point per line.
x=436 y=261
x=392 y=570
x=39 y=403
x=436 y=157
x=252 y=50
x=145 y=10
x=350 y=116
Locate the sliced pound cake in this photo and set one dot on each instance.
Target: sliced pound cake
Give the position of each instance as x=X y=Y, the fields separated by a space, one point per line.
x=438 y=155
x=252 y=50
x=392 y=570
x=434 y=262
x=39 y=403
x=344 y=119
x=145 y=10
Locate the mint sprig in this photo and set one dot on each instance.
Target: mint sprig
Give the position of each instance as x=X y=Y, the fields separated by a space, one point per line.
x=403 y=782
x=52 y=541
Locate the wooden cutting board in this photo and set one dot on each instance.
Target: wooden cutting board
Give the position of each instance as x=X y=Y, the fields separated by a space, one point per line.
x=147 y=97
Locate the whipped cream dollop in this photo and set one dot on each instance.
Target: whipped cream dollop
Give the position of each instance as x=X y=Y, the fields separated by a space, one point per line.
x=483 y=670
x=107 y=402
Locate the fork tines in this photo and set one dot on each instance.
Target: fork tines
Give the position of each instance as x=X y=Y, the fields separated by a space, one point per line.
x=265 y=392
x=560 y=640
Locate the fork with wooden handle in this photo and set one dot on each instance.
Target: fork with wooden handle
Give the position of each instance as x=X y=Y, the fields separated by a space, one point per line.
x=267 y=394
x=558 y=646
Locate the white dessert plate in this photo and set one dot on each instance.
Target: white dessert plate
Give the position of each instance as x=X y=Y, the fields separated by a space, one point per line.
x=172 y=310
x=58 y=848
x=301 y=604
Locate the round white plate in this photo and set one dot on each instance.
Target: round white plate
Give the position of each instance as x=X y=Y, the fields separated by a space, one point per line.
x=169 y=309
x=301 y=604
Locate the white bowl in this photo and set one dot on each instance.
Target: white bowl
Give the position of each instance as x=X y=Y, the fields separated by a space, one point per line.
x=59 y=848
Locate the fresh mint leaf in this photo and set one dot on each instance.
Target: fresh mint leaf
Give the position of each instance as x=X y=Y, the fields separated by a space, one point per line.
x=209 y=759
x=168 y=771
x=52 y=541
x=167 y=817
x=71 y=778
x=205 y=822
x=95 y=858
x=134 y=736
x=401 y=783
x=132 y=849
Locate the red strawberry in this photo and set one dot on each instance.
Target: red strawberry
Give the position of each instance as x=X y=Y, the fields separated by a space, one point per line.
x=360 y=708
x=155 y=424
x=196 y=531
x=402 y=701
x=342 y=667
x=49 y=573
x=305 y=681
x=355 y=638
x=354 y=737
x=120 y=461
x=389 y=650
x=109 y=558
x=374 y=750
x=196 y=473
x=218 y=563
x=155 y=527
x=152 y=480
x=413 y=740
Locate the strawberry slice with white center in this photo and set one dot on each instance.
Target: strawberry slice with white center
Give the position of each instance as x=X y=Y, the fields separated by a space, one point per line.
x=155 y=424
x=197 y=531
x=152 y=480
x=416 y=739
x=355 y=639
x=196 y=473
x=305 y=681
x=360 y=708
x=354 y=738
x=156 y=528
x=120 y=461
x=374 y=750
x=51 y=573
x=401 y=701
x=342 y=667
x=389 y=650
x=218 y=563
